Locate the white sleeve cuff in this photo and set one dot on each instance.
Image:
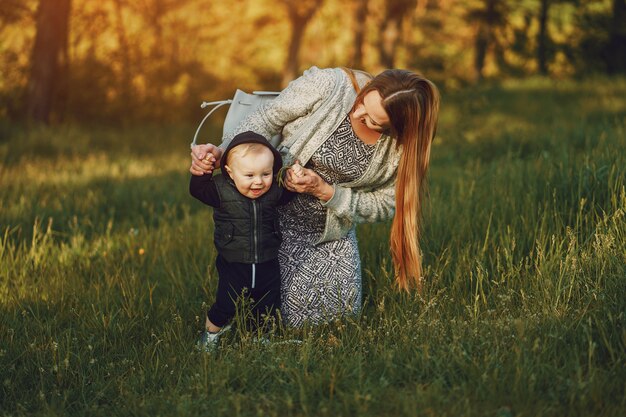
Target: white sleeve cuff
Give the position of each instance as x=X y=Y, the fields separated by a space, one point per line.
x=338 y=199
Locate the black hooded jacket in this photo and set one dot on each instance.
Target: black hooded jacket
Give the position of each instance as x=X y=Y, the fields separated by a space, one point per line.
x=246 y=230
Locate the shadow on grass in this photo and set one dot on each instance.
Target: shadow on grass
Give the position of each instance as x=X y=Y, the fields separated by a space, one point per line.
x=20 y=143
x=489 y=122
x=101 y=205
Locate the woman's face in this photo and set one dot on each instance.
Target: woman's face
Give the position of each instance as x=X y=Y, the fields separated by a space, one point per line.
x=371 y=112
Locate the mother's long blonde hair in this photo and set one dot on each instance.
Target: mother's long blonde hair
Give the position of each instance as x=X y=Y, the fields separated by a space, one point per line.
x=412 y=104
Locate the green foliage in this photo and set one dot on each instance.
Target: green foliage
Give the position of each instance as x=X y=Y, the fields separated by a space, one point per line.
x=106 y=267
x=155 y=60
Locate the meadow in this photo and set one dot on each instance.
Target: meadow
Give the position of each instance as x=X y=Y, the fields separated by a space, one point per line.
x=106 y=267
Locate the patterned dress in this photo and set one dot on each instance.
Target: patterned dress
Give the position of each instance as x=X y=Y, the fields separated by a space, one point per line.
x=321 y=282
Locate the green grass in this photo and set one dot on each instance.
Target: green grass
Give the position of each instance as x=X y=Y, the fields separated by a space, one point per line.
x=106 y=267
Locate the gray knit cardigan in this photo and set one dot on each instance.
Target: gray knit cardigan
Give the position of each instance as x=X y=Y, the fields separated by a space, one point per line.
x=307 y=112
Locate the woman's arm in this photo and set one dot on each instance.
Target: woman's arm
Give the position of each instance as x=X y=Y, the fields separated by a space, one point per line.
x=358 y=206
x=298 y=99
x=347 y=204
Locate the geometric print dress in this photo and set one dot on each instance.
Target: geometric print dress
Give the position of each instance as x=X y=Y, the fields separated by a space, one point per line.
x=321 y=282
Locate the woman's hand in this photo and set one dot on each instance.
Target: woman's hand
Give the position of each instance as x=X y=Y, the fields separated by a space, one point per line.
x=304 y=180
x=204 y=159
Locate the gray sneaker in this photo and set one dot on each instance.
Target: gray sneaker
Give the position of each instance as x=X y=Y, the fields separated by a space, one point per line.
x=208 y=341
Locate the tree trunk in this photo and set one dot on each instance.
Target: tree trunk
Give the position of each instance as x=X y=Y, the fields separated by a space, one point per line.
x=391 y=29
x=300 y=13
x=293 y=52
x=124 y=50
x=616 y=51
x=489 y=18
x=49 y=59
x=480 y=51
x=388 y=42
x=542 y=38
x=360 y=16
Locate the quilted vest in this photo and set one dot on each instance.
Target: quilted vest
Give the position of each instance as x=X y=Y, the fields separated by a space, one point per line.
x=246 y=230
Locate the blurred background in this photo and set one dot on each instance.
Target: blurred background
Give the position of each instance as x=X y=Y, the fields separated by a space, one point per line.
x=106 y=261
x=137 y=61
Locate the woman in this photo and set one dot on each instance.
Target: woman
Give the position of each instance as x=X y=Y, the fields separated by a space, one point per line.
x=366 y=154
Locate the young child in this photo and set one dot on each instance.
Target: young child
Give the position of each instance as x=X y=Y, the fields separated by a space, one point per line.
x=244 y=200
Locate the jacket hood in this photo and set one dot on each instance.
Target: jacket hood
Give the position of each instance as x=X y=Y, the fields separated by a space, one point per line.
x=251 y=137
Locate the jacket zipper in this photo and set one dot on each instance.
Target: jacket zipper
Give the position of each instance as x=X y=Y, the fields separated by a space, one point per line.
x=255 y=231
x=256 y=241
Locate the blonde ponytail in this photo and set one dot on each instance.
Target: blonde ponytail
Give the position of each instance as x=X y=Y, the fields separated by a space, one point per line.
x=412 y=103
x=411 y=186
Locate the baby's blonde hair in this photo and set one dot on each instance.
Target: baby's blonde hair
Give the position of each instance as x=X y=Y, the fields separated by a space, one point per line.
x=247 y=148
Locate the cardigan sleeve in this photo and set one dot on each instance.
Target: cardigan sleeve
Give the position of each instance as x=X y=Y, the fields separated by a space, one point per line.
x=299 y=98
x=349 y=206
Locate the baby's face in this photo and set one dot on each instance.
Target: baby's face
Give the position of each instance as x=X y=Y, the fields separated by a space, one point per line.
x=252 y=173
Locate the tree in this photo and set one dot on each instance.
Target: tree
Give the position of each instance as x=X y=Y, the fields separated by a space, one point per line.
x=616 y=49
x=49 y=59
x=124 y=52
x=12 y=10
x=360 y=16
x=300 y=13
x=599 y=44
x=545 y=45
x=542 y=37
x=391 y=27
x=488 y=19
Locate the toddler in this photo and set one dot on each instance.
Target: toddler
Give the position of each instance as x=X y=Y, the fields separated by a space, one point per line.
x=244 y=200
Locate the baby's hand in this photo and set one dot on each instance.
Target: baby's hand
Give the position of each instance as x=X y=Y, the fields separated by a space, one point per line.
x=297 y=169
x=204 y=159
x=210 y=161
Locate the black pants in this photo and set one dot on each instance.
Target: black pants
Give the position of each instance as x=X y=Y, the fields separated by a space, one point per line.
x=260 y=283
